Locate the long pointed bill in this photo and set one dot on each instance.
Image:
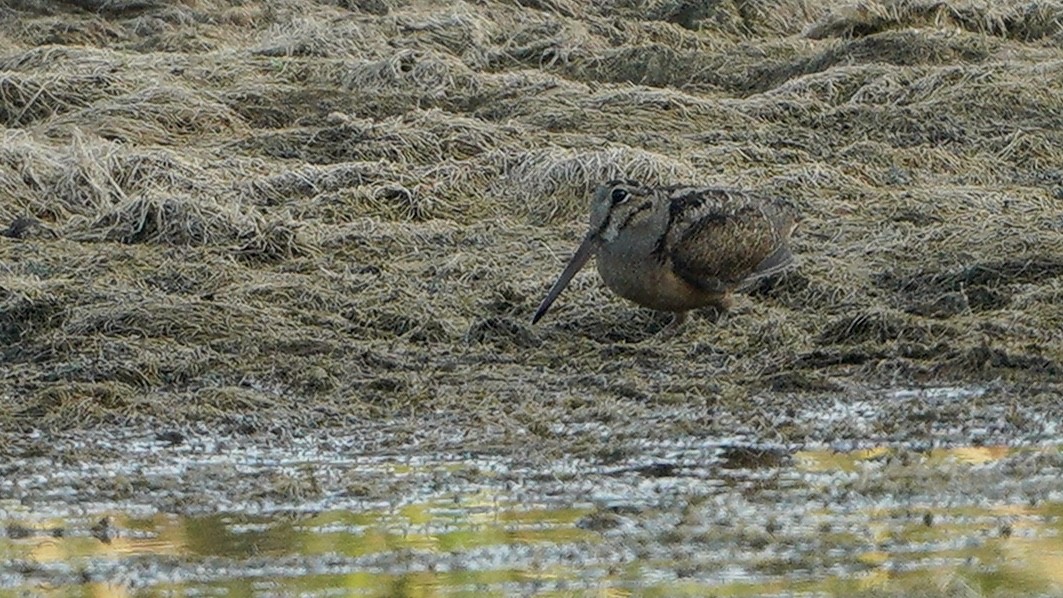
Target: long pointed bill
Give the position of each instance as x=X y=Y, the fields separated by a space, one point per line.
x=584 y=253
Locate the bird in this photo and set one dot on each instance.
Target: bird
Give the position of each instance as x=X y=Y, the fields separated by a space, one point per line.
x=676 y=248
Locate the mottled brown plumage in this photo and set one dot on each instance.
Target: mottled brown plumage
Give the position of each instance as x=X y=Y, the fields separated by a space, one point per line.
x=681 y=248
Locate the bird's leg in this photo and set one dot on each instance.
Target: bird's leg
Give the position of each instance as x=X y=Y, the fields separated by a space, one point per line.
x=715 y=313
x=673 y=327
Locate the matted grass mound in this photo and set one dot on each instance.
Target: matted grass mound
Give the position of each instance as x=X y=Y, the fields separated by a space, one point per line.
x=1026 y=21
x=549 y=183
x=273 y=215
x=154 y=116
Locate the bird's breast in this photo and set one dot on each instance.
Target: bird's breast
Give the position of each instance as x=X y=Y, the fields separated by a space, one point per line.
x=647 y=279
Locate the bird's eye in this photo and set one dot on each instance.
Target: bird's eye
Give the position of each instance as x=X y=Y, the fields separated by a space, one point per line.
x=619 y=195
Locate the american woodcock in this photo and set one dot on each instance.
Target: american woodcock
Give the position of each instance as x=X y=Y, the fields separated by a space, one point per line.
x=680 y=248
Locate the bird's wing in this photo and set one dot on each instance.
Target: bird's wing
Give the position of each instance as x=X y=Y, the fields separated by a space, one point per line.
x=719 y=239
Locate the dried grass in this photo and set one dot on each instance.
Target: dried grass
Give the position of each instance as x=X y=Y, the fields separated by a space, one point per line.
x=312 y=37
x=252 y=213
x=153 y=116
x=545 y=184
x=1022 y=21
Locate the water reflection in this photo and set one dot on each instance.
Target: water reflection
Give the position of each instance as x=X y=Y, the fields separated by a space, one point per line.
x=831 y=523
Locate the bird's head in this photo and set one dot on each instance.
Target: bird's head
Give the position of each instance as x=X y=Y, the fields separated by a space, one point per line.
x=616 y=205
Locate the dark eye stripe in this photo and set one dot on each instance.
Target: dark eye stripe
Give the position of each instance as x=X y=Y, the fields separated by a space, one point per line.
x=645 y=206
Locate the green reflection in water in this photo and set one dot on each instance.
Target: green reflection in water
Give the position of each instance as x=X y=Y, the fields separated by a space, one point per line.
x=413 y=527
x=411 y=585
x=904 y=554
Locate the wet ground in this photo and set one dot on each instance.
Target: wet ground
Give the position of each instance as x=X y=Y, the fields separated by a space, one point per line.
x=155 y=512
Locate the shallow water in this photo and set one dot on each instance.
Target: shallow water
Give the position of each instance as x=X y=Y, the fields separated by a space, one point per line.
x=731 y=519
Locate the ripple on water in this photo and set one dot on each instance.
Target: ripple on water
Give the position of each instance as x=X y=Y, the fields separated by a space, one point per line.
x=684 y=518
